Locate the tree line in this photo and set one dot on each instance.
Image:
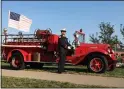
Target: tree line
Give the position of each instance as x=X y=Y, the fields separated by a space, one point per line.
x=106 y=34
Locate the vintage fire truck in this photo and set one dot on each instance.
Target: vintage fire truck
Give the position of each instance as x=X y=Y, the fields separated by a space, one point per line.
x=42 y=47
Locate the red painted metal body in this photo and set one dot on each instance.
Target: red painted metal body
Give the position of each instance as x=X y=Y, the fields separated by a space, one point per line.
x=84 y=50
x=47 y=47
x=28 y=48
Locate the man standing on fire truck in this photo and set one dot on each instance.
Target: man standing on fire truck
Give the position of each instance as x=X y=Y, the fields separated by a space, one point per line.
x=63 y=45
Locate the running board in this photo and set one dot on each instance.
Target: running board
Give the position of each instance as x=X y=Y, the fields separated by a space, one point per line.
x=45 y=62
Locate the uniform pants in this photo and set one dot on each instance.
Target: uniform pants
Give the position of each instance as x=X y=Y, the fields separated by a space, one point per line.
x=61 y=62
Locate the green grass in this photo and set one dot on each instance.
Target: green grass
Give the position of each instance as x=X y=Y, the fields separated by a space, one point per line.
x=118 y=72
x=3 y=63
x=12 y=82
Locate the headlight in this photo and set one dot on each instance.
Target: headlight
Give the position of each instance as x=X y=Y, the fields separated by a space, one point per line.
x=110 y=51
x=113 y=51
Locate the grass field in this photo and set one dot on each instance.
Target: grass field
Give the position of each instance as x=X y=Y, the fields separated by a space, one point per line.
x=11 y=82
x=118 y=72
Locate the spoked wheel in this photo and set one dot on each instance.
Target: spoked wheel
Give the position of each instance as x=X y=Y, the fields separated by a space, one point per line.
x=97 y=64
x=17 y=61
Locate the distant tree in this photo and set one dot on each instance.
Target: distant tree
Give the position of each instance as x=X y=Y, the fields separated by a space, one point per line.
x=95 y=38
x=115 y=40
x=122 y=30
x=106 y=34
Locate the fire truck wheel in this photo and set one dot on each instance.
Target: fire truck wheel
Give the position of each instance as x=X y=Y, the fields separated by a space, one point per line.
x=97 y=64
x=17 y=61
x=111 y=67
x=36 y=65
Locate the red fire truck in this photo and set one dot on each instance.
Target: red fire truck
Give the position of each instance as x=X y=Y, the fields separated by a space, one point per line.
x=41 y=47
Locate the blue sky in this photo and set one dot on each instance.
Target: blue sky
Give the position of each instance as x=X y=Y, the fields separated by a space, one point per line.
x=71 y=15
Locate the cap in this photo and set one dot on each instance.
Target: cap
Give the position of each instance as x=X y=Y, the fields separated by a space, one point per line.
x=63 y=30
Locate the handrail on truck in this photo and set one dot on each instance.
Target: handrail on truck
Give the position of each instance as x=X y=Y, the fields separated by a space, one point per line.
x=16 y=38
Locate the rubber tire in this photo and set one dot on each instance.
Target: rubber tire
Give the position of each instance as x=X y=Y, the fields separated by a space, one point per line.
x=36 y=65
x=22 y=66
x=103 y=59
x=112 y=68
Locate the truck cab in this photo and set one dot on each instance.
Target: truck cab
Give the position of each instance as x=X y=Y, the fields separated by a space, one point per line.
x=97 y=57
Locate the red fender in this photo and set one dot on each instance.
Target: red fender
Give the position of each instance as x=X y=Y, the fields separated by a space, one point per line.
x=24 y=54
x=81 y=58
x=99 y=51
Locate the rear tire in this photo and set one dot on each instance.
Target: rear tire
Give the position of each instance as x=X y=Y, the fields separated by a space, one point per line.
x=97 y=63
x=17 y=61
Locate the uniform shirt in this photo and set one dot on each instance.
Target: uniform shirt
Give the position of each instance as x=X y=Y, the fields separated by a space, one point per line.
x=63 y=44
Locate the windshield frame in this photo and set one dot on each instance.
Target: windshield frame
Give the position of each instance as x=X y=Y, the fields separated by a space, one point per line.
x=81 y=36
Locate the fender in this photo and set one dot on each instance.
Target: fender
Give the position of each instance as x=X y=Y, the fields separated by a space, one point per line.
x=98 y=50
x=24 y=54
x=90 y=52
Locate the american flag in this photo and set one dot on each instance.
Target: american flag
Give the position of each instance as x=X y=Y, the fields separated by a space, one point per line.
x=19 y=22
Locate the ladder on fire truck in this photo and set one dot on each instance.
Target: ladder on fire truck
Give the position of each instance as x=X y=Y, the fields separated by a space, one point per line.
x=38 y=38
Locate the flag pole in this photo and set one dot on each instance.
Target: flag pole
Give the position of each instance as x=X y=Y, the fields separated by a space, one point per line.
x=8 y=19
x=6 y=29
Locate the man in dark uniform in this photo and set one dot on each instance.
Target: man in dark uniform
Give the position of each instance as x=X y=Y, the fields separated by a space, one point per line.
x=63 y=45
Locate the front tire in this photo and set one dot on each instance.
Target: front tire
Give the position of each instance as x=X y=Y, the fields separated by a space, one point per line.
x=111 y=66
x=97 y=63
x=17 y=61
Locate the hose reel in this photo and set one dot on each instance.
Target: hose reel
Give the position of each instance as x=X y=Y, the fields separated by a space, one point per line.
x=40 y=33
